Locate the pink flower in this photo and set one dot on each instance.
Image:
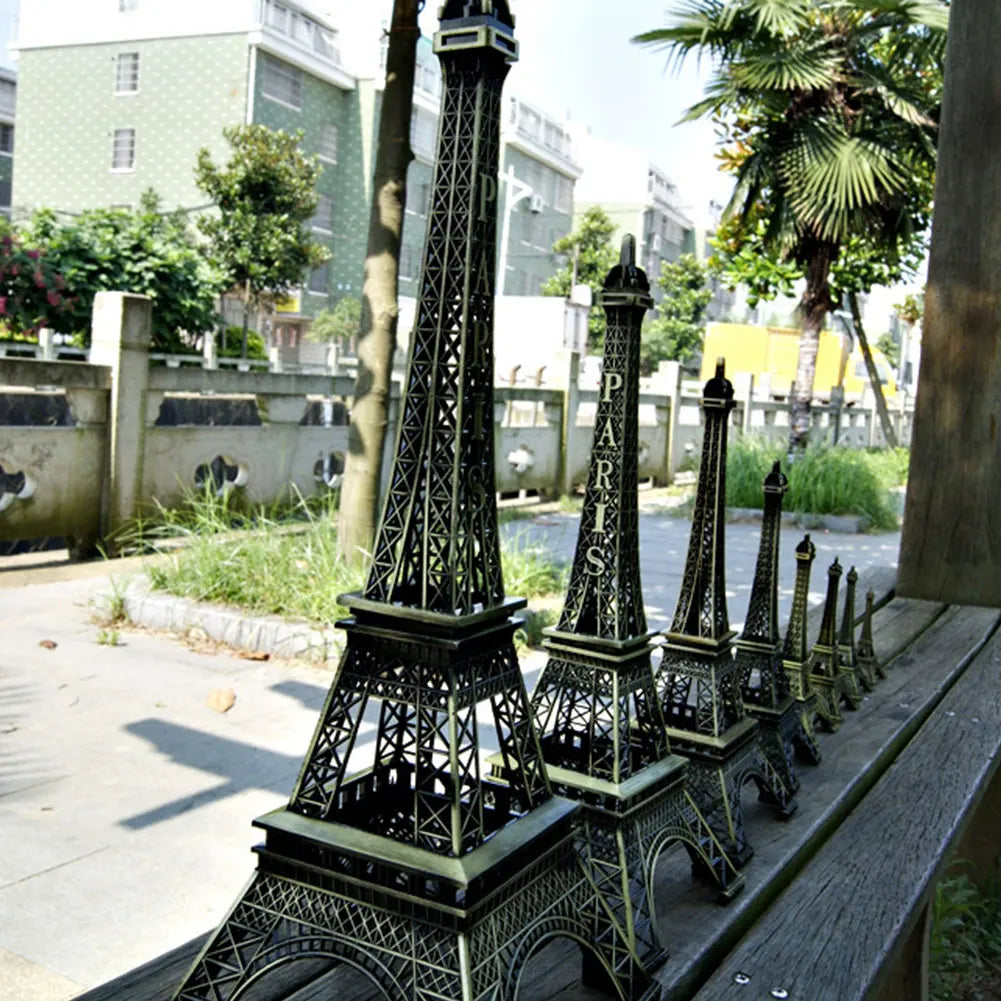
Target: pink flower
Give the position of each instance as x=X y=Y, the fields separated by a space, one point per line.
x=34 y=254
x=39 y=279
x=3 y=304
x=53 y=298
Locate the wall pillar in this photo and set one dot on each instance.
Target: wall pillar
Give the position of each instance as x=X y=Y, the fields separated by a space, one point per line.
x=121 y=333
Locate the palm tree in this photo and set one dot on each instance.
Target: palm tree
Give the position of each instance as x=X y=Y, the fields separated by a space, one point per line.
x=828 y=113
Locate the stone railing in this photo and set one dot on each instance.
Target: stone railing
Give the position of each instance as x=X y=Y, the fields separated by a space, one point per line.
x=85 y=447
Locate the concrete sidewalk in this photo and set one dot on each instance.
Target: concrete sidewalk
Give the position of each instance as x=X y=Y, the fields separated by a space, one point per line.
x=125 y=802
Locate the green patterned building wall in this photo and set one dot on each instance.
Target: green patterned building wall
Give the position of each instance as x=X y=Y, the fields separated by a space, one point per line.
x=344 y=181
x=189 y=88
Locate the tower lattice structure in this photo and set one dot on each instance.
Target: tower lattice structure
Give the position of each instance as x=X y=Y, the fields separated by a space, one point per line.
x=835 y=686
x=764 y=683
x=595 y=705
x=796 y=656
x=698 y=680
x=401 y=856
x=865 y=653
x=850 y=661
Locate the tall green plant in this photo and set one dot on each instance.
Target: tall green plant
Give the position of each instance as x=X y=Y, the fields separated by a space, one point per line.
x=147 y=251
x=265 y=197
x=677 y=329
x=827 y=116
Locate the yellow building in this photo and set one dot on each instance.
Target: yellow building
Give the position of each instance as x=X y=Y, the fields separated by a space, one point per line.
x=775 y=351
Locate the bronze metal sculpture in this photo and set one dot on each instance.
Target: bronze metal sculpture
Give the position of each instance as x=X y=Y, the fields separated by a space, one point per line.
x=595 y=705
x=698 y=682
x=434 y=879
x=796 y=656
x=764 y=683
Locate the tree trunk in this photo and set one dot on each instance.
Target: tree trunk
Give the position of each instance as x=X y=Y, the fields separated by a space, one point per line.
x=870 y=366
x=380 y=310
x=816 y=304
x=950 y=549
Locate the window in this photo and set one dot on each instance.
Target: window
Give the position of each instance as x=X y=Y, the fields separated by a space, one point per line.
x=281 y=82
x=409 y=262
x=123 y=150
x=564 y=195
x=323 y=218
x=423 y=132
x=318 y=281
x=7 y=140
x=127 y=73
x=327 y=144
x=127 y=5
x=8 y=96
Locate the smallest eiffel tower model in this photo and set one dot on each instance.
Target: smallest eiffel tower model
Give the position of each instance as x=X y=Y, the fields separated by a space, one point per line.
x=697 y=680
x=846 y=642
x=765 y=686
x=865 y=653
x=796 y=656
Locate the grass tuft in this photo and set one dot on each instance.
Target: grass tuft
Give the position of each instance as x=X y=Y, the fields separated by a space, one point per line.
x=281 y=568
x=821 y=480
x=965 y=941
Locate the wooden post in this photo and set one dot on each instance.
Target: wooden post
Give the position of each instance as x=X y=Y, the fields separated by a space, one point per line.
x=950 y=549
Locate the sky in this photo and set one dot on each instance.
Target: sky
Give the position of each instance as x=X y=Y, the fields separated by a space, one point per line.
x=576 y=58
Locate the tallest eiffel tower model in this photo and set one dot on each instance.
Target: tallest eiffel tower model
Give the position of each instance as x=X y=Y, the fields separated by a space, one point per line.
x=419 y=869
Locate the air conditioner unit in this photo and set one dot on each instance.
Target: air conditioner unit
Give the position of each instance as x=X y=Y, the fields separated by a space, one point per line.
x=536 y=204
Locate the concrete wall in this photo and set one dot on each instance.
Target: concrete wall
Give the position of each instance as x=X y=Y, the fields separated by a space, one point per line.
x=84 y=447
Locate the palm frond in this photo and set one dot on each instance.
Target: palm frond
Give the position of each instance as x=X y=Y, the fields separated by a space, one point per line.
x=810 y=67
x=832 y=177
x=773 y=17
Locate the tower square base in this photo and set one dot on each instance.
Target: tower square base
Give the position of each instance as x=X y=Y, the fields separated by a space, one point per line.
x=420 y=925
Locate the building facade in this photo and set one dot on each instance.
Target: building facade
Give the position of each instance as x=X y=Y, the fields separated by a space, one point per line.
x=638 y=197
x=118 y=96
x=8 y=106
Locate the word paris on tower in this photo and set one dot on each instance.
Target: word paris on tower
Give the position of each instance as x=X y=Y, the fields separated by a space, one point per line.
x=434 y=880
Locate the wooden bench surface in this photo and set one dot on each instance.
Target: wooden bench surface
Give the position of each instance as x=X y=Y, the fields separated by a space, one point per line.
x=857 y=900
x=931 y=647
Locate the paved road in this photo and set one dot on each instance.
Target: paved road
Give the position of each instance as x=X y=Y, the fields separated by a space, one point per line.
x=125 y=803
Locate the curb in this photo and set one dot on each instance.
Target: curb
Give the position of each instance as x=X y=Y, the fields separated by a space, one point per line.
x=849 y=524
x=259 y=633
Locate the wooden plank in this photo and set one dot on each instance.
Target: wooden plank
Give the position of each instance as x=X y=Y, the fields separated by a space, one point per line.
x=831 y=934
x=697 y=932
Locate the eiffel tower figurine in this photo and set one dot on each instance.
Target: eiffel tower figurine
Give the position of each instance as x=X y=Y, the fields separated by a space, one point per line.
x=796 y=656
x=826 y=675
x=846 y=646
x=600 y=722
x=697 y=680
x=434 y=880
x=764 y=683
x=865 y=653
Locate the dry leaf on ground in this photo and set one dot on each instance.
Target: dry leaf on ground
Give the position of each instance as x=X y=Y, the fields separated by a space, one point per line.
x=221 y=699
